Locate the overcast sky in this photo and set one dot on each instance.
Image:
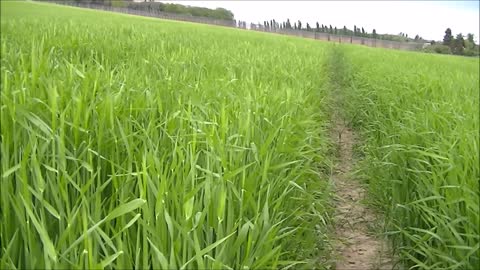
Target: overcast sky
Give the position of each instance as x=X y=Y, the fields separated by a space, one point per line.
x=429 y=19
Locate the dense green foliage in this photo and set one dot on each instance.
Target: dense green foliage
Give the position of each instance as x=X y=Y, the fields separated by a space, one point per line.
x=438 y=48
x=131 y=142
x=468 y=49
x=419 y=115
x=218 y=13
x=458 y=45
x=151 y=6
x=455 y=45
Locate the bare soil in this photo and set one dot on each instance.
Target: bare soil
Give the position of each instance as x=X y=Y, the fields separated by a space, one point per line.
x=357 y=246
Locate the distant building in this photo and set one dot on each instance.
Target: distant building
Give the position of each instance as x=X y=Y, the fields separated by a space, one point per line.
x=426 y=44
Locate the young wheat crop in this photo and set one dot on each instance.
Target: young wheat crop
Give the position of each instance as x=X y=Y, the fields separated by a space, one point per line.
x=420 y=120
x=130 y=142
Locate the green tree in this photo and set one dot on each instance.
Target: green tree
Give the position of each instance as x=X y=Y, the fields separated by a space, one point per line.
x=299 y=25
x=448 y=38
x=374 y=33
x=458 y=45
x=308 y=27
x=471 y=49
x=318 y=27
x=470 y=38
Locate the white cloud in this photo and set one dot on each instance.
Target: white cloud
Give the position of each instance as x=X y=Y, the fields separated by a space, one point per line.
x=429 y=19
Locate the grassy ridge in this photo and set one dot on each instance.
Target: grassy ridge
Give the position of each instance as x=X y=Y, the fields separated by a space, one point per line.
x=137 y=143
x=419 y=115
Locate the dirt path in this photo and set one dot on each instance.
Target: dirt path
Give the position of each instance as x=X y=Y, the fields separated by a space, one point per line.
x=357 y=248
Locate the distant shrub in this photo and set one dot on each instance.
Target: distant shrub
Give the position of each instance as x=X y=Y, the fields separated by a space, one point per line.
x=438 y=48
x=472 y=51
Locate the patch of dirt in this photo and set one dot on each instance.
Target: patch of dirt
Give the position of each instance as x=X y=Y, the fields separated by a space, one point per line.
x=357 y=247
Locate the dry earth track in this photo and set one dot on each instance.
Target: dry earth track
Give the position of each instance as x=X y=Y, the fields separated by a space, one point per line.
x=357 y=246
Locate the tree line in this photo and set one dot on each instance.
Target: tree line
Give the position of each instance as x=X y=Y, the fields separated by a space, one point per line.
x=457 y=45
x=357 y=31
x=217 y=14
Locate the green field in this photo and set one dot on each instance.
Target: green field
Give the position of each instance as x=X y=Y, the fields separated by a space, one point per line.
x=131 y=142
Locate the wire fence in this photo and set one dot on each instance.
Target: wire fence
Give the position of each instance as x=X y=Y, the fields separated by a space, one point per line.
x=291 y=32
x=372 y=42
